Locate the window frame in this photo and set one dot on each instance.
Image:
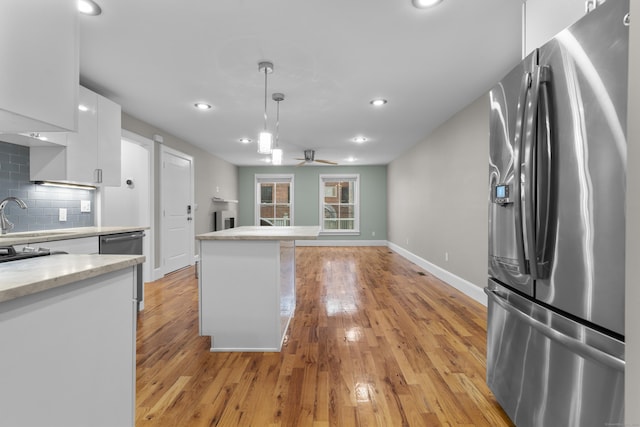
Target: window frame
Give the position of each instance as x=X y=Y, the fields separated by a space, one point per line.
x=355 y=178
x=272 y=178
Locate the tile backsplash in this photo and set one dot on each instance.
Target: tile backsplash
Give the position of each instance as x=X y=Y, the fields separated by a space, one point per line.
x=43 y=203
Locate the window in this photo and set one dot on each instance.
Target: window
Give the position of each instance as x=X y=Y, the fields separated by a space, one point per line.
x=274 y=200
x=339 y=204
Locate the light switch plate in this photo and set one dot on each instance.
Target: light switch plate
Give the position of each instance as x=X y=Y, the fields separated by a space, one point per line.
x=62 y=214
x=85 y=205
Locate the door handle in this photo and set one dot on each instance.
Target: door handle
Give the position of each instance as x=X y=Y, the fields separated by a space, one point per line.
x=577 y=346
x=517 y=171
x=545 y=203
x=530 y=179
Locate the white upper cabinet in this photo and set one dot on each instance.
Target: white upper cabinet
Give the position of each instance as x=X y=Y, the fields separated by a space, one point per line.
x=92 y=154
x=546 y=18
x=40 y=71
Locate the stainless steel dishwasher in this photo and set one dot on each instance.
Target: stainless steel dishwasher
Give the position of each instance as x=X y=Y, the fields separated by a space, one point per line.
x=125 y=244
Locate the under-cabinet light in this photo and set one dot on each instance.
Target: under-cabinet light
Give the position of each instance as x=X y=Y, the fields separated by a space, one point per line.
x=65 y=185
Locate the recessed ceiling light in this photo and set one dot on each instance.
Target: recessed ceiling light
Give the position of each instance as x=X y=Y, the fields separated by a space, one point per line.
x=351 y=159
x=423 y=4
x=379 y=102
x=202 y=106
x=89 y=7
x=83 y=108
x=360 y=139
x=245 y=140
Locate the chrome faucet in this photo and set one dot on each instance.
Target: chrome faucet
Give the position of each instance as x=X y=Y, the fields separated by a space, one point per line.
x=5 y=224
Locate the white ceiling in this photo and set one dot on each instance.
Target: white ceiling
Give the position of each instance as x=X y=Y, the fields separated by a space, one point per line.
x=157 y=58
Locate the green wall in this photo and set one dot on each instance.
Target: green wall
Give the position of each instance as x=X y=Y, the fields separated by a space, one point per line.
x=373 y=196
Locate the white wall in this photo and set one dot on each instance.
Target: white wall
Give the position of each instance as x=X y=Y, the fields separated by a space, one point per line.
x=546 y=18
x=437 y=201
x=129 y=204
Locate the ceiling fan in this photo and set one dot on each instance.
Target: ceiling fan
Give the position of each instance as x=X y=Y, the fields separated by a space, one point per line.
x=310 y=157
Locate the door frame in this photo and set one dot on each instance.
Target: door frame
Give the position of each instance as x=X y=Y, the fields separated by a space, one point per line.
x=164 y=150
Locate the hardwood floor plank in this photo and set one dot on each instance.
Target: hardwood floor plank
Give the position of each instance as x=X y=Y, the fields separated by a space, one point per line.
x=375 y=341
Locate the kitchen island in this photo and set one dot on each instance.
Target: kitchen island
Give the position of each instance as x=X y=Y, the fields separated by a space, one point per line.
x=247 y=292
x=68 y=332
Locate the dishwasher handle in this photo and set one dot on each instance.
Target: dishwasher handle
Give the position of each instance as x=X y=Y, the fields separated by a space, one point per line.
x=119 y=238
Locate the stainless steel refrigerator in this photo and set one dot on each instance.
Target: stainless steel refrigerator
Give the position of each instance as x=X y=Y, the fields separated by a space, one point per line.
x=555 y=340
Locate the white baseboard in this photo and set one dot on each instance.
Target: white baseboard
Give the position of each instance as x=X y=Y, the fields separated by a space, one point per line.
x=449 y=278
x=341 y=243
x=157 y=274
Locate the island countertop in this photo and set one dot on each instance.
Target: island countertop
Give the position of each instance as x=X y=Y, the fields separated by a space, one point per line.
x=263 y=233
x=33 y=275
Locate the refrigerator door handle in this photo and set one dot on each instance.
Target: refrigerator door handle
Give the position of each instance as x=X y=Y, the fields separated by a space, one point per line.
x=544 y=177
x=573 y=344
x=523 y=268
x=529 y=176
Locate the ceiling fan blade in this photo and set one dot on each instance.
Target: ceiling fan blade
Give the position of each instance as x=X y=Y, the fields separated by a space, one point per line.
x=298 y=158
x=328 y=162
x=301 y=163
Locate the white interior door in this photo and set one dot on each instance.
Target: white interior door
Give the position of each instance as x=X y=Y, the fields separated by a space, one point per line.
x=177 y=209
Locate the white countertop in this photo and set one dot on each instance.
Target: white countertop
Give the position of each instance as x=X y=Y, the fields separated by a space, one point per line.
x=263 y=233
x=29 y=276
x=20 y=238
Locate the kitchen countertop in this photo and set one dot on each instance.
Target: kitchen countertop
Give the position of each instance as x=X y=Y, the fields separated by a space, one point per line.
x=263 y=233
x=33 y=275
x=20 y=238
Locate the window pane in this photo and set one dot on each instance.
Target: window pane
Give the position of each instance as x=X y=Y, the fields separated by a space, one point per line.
x=346 y=192
x=347 y=211
x=331 y=211
x=266 y=193
x=282 y=192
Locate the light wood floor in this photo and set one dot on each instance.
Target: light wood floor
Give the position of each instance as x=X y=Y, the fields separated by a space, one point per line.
x=375 y=341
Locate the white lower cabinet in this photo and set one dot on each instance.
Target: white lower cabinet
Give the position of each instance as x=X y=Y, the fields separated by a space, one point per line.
x=68 y=355
x=92 y=154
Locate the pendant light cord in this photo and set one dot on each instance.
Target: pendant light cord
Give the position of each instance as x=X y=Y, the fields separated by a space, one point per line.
x=278 y=124
x=265 y=98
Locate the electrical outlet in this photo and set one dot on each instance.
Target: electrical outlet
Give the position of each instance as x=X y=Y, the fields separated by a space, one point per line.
x=85 y=205
x=62 y=214
x=373 y=234
x=446 y=256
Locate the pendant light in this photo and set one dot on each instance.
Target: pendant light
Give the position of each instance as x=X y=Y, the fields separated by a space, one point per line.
x=265 y=139
x=276 y=153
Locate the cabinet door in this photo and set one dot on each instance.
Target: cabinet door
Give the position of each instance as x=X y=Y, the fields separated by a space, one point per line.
x=82 y=146
x=92 y=154
x=109 y=142
x=39 y=57
x=68 y=354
